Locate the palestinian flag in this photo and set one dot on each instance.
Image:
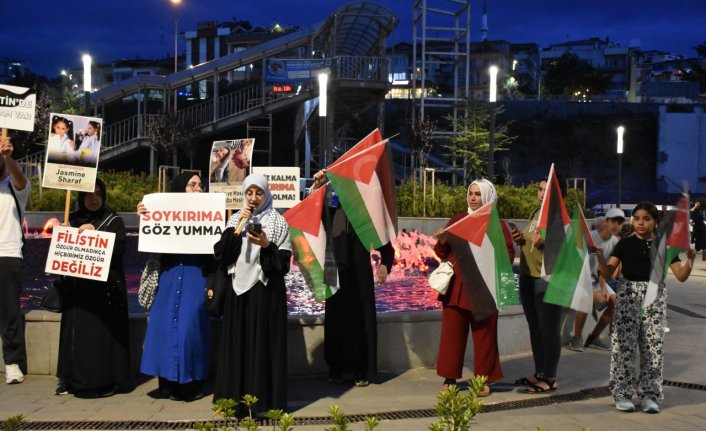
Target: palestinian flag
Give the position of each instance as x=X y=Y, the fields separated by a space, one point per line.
x=571 y=284
x=310 y=244
x=363 y=184
x=553 y=222
x=479 y=244
x=672 y=238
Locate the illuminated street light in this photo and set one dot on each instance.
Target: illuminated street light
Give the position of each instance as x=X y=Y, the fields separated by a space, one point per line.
x=620 y=130
x=87 y=61
x=493 y=71
x=323 y=124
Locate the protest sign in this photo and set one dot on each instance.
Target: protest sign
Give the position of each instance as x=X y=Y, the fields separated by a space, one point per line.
x=284 y=184
x=229 y=164
x=17 y=107
x=83 y=255
x=182 y=222
x=73 y=149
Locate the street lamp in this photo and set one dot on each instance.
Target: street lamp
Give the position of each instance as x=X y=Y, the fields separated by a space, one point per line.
x=87 y=60
x=176 y=45
x=323 y=126
x=620 y=130
x=493 y=71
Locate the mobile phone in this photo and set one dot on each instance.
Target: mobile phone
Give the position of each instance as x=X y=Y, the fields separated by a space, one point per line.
x=256 y=228
x=512 y=225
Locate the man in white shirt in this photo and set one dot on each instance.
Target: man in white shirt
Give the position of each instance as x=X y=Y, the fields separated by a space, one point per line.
x=14 y=192
x=606 y=237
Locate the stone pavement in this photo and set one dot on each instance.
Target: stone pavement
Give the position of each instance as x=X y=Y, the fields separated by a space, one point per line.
x=582 y=400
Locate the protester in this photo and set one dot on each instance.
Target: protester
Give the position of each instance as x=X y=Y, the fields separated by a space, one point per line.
x=94 y=349
x=178 y=339
x=699 y=227
x=458 y=309
x=252 y=356
x=350 y=316
x=636 y=328
x=543 y=318
x=605 y=236
x=14 y=193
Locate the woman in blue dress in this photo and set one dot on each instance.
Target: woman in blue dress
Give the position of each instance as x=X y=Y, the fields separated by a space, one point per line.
x=178 y=339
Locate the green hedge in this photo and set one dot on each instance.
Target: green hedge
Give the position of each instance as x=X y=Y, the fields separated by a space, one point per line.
x=513 y=202
x=125 y=190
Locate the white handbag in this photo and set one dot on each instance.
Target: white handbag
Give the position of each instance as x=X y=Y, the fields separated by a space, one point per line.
x=440 y=277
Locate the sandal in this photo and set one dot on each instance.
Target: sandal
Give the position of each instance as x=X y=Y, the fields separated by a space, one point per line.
x=526 y=381
x=485 y=392
x=535 y=388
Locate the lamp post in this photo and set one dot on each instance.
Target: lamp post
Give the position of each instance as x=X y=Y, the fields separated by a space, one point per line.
x=620 y=130
x=176 y=46
x=87 y=60
x=176 y=56
x=323 y=126
x=493 y=72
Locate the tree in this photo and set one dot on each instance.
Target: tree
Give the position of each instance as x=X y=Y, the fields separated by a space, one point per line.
x=569 y=74
x=470 y=143
x=696 y=70
x=421 y=133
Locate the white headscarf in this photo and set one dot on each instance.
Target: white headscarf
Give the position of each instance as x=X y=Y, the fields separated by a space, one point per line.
x=246 y=271
x=487 y=192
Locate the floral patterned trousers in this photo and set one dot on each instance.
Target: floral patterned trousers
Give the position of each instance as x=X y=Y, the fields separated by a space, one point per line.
x=638 y=330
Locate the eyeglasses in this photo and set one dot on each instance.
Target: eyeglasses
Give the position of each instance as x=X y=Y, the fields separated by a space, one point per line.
x=193 y=186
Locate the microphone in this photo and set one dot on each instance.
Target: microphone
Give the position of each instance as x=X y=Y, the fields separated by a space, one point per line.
x=242 y=221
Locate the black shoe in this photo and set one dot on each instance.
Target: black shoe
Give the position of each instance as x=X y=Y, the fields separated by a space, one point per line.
x=63 y=388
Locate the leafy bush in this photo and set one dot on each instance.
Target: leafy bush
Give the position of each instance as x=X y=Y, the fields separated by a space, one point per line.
x=124 y=191
x=513 y=202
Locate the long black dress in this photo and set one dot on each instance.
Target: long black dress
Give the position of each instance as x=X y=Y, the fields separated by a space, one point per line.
x=252 y=357
x=350 y=316
x=93 y=342
x=699 y=233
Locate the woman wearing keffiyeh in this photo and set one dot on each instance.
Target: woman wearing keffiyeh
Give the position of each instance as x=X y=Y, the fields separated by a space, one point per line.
x=252 y=356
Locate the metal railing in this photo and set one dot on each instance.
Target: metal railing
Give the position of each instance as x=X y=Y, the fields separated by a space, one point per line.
x=229 y=105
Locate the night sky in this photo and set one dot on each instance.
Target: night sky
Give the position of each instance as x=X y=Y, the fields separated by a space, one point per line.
x=52 y=35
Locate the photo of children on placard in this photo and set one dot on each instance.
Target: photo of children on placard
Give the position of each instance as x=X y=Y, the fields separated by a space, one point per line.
x=74 y=140
x=229 y=164
x=73 y=150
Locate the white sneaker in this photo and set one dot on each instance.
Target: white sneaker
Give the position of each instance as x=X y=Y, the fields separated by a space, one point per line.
x=13 y=374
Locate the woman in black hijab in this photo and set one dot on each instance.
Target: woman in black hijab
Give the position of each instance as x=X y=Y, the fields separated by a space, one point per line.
x=178 y=338
x=93 y=342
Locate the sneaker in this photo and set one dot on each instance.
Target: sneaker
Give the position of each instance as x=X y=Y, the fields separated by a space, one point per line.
x=649 y=406
x=62 y=388
x=576 y=344
x=13 y=374
x=362 y=383
x=597 y=343
x=625 y=406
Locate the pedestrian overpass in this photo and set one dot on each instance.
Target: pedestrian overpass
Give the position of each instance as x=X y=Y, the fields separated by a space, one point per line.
x=236 y=90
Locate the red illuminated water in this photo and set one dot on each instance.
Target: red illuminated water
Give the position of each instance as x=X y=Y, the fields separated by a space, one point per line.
x=406 y=288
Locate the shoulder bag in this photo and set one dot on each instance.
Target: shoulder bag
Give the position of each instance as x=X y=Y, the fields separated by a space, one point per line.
x=149 y=281
x=440 y=278
x=52 y=300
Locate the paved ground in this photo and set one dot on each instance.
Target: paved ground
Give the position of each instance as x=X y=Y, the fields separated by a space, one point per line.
x=582 y=400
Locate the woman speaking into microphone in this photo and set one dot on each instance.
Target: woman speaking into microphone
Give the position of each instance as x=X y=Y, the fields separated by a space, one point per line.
x=252 y=356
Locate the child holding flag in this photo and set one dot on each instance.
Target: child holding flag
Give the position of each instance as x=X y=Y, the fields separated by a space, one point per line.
x=641 y=307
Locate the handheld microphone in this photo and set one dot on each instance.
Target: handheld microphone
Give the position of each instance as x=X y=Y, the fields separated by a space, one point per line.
x=242 y=221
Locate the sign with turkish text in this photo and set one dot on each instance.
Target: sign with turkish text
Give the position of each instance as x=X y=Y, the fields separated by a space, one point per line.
x=17 y=107
x=82 y=255
x=284 y=184
x=189 y=223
